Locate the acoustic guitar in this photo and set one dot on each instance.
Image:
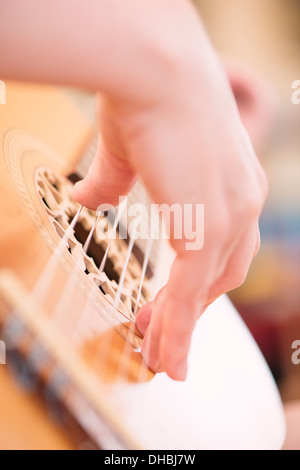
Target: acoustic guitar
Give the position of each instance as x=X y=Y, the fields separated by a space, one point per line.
x=70 y=285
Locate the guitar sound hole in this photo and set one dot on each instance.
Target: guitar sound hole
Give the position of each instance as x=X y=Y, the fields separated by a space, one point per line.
x=96 y=252
x=55 y=193
x=45 y=202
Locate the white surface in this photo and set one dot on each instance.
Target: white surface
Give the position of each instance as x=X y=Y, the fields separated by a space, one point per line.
x=229 y=401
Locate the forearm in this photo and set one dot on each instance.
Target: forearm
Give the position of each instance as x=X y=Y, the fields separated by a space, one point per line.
x=116 y=46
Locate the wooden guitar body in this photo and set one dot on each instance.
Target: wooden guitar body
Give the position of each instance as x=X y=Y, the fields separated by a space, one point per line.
x=74 y=351
x=24 y=423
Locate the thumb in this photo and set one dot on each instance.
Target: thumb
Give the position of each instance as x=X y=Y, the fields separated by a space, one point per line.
x=143 y=318
x=108 y=178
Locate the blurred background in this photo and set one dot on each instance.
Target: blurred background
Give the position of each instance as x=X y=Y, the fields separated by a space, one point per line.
x=265 y=36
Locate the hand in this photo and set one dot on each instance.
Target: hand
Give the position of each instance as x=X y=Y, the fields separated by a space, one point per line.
x=190 y=147
x=167 y=114
x=177 y=126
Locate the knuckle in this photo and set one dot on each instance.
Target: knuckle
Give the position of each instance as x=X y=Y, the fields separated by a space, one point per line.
x=238 y=279
x=256 y=198
x=254 y=206
x=250 y=206
x=220 y=225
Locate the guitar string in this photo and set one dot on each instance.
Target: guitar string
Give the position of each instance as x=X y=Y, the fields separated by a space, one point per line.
x=68 y=292
x=79 y=322
x=82 y=315
x=65 y=299
x=55 y=260
x=144 y=269
x=101 y=357
x=123 y=370
x=159 y=274
x=102 y=266
x=60 y=315
x=117 y=298
x=113 y=234
x=158 y=285
x=91 y=234
x=49 y=272
x=41 y=288
x=143 y=373
x=126 y=349
x=46 y=279
x=43 y=285
x=102 y=354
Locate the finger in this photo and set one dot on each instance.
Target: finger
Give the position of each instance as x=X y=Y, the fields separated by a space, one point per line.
x=150 y=345
x=144 y=315
x=109 y=177
x=168 y=338
x=237 y=266
x=178 y=327
x=255 y=99
x=143 y=318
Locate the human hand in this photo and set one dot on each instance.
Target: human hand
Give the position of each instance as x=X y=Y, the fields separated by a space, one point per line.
x=226 y=177
x=183 y=136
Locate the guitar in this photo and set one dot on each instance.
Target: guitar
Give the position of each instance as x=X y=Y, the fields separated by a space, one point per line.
x=69 y=291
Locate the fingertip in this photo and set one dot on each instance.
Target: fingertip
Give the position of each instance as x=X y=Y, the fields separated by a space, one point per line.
x=77 y=190
x=180 y=372
x=176 y=371
x=83 y=194
x=93 y=195
x=175 y=366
